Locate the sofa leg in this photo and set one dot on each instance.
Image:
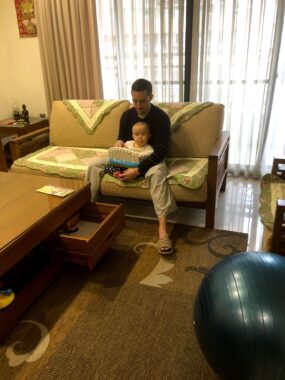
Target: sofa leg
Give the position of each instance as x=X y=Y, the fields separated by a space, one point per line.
x=223 y=187
x=210 y=218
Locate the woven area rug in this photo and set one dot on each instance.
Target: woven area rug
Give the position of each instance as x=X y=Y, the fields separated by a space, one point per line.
x=130 y=318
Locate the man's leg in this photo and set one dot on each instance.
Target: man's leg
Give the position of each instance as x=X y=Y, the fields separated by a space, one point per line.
x=94 y=175
x=163 y=201
x=162 y=229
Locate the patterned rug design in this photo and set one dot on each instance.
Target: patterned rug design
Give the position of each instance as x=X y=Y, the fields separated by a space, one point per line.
x=130 y=318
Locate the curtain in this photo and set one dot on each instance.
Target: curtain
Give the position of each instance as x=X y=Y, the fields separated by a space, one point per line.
x=238 y=60
x=142 y=39
x=69 y=48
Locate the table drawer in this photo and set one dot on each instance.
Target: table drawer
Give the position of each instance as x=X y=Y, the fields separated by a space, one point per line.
x=99 y=224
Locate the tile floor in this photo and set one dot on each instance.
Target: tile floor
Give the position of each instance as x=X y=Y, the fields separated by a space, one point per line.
x=237 y=210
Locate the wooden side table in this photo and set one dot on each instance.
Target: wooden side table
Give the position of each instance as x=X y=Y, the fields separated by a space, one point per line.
x=17 y=129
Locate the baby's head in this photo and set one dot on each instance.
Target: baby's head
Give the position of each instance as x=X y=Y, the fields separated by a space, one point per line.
x=141 y=133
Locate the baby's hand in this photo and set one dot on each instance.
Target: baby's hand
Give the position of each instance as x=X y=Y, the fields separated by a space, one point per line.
x=116 y=175
x=129 y=174
x=120 y=175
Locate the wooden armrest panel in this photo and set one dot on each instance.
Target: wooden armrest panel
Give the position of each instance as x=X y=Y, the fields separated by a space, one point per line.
x=221 y=145
x=29 y=143
x=278 y=234
x=217 y=175
x=29 y=136
x=218 y=161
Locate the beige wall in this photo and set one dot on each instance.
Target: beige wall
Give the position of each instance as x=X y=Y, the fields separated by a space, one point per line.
x=21 y=78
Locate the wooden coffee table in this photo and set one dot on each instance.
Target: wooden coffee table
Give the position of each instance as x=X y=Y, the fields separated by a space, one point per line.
x=27 y=217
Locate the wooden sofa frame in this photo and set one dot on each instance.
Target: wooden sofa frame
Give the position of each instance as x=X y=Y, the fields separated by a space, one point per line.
x=3 y=164
x=217 y=167
x=278 y=233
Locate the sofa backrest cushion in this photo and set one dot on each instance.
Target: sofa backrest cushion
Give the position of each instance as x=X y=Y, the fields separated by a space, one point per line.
x=194 y=137
x=197 y=136
x=66 y=130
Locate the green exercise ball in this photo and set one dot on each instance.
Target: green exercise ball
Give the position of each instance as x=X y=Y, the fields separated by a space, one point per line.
x=239 y=316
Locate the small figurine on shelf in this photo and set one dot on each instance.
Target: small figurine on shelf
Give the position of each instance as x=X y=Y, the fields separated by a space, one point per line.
x=25 y=114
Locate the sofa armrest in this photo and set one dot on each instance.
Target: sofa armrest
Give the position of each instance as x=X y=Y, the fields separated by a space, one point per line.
x=29 y=143
x=221 y=145
x=278 y=167
x=217 y=174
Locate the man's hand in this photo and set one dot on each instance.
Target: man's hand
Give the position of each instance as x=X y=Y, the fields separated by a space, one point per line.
x=129 y=174
x=119 y=143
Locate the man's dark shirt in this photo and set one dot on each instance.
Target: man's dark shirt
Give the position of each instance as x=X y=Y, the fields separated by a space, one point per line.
x=159 y=125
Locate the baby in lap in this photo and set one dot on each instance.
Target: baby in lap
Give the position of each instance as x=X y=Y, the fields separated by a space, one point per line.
x=132 y=153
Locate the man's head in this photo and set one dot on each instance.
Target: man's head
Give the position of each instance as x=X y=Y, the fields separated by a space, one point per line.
x=141 y=133
x=142 y=96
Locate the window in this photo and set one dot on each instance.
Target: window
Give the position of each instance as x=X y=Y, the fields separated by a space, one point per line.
x=142 y=39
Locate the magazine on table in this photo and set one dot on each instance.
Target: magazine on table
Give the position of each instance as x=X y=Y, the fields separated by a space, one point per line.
x=55 y=190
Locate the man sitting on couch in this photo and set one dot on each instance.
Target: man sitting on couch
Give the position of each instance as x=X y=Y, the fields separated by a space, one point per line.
x=153 y=167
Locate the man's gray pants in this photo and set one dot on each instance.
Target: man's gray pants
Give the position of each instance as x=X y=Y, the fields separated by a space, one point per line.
x=162 y=197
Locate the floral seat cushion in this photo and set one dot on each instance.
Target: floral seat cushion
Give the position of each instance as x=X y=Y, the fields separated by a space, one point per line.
x=72 y=162
x=272 y=188
x=67 y=162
